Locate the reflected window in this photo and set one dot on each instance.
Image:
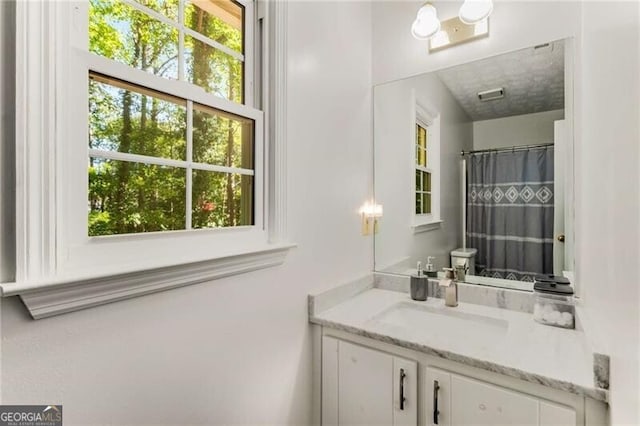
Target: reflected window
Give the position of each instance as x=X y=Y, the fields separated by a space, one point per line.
x=423 y=189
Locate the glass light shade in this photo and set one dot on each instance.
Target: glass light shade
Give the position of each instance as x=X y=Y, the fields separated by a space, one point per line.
x=426 y=24
x=371 y=210
x=474 y=11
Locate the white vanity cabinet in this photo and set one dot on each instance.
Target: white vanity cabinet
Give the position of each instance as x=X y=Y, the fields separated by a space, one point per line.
x=453 y=399
x=364 y=381
x=363 y=386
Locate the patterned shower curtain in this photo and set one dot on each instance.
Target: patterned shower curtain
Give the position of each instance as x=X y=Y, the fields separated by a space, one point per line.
x=510 y=212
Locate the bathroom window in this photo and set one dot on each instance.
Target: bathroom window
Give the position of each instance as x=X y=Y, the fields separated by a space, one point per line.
x=141 y=151
x=158 y=159
x=426 y=167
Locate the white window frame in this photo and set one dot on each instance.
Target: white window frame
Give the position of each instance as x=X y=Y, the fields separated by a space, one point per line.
x=430 y=120
x=56 y=266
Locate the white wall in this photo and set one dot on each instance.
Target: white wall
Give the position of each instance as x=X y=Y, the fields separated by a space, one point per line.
x=397 y=247
x=606 y=118
x=517 y=130
x=608 y=200
x=236 y=350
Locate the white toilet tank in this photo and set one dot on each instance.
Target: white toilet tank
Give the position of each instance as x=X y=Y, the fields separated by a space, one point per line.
x=465 y=256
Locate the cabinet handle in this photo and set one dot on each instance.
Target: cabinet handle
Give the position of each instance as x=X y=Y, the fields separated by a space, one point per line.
x=436 y=388
x=402 y=398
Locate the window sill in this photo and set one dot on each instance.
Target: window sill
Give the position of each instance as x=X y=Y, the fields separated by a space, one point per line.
x=425 y=227
x=54 y=297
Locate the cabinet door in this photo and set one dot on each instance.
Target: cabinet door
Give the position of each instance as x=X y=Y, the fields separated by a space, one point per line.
x=556 y=415
x=362 y=386
x=478 y=403
x=405 y=392
x=438 y=397
x=365 y=386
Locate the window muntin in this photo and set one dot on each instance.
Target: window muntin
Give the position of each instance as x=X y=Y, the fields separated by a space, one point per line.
x=423 y=171
x=138 y=134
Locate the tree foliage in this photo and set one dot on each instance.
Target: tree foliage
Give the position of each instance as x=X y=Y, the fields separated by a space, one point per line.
x=128 y=197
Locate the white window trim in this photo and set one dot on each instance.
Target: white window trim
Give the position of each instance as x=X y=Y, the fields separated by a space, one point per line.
x=427 y=226
x=42 y=278
x=421 y=113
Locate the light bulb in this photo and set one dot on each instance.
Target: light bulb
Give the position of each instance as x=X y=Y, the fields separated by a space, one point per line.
x=474 y=11
x=426 y=24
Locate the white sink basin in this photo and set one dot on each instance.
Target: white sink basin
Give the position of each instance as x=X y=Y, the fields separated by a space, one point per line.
x=443 y=326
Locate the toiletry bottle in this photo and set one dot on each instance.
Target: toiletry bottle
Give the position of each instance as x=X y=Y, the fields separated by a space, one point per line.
x=429 y=269
x=419 y=285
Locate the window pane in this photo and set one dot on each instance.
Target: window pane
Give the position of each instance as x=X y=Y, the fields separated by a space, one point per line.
x=135 y=120
x=418 y=180
x=418 y=203
x=220 y=20
x=221 y=200
x=168 y=8
x=213 y=70
x=122 y=33
x=422 y=137
x=222 y=139
x=127 y=198
x=426 y=179
x=426 y=203
x=423 y=157
x=425 y=137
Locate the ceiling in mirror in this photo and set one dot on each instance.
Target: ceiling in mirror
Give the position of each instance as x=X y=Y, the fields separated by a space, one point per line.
x=532 y=79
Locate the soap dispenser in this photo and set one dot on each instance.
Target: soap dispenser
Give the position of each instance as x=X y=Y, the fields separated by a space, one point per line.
x=429 y=269
x=419 y=284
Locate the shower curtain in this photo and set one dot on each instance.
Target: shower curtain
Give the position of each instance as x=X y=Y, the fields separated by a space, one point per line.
x=510 y=212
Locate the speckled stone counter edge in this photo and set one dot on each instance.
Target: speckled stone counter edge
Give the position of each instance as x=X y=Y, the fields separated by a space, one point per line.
x=596 y=394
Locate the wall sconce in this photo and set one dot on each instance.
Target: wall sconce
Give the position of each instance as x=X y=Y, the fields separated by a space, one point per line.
x=471 y=23
x=370 y=213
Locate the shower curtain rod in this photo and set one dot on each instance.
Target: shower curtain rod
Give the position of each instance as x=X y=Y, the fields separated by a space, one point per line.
x=513 y=148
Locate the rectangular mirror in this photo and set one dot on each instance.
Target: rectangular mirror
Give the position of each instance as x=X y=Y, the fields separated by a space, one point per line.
x=474 y=167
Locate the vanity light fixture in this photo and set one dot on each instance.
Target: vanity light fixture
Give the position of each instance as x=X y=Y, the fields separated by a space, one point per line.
x=370 y=213
x=474 y=11
x=426 y=24
x=471 y=23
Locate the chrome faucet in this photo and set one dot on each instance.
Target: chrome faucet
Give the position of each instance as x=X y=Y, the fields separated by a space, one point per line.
x=450 y=284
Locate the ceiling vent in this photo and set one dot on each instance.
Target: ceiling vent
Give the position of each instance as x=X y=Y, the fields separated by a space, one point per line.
x=542 y=49
x=491 y=95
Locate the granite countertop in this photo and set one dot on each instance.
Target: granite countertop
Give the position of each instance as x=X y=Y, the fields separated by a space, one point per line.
x=505 y=341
